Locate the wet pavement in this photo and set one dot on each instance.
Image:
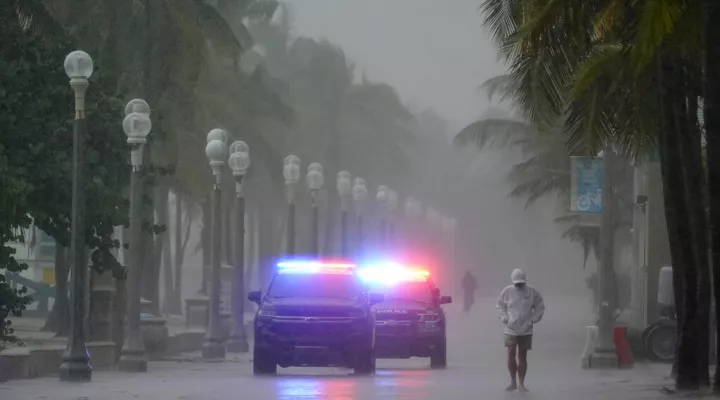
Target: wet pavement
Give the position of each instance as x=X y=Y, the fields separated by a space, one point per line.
x=476 y=370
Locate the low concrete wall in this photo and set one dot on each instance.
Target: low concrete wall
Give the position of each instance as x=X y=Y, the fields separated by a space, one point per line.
x=32 y=362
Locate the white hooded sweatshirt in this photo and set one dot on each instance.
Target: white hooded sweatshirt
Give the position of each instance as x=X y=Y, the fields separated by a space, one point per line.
x=520 y=307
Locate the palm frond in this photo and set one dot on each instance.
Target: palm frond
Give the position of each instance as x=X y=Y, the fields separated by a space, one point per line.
x=261 y=10
x=657 y=21
x=493 y=132
x=228 y=41
x=500 y=18
x=588 y=237
x=502 y=86
x=32 y=15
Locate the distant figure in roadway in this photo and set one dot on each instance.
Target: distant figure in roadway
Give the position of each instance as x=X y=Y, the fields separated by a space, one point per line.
x=521 y=307
x=469 y=286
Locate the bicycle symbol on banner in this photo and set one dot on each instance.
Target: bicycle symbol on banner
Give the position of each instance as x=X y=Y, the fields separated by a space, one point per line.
x=589 y=199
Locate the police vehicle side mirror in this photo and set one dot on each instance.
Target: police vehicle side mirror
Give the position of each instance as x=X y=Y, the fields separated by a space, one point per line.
x=376 y=298
x=255 y=296
x=445 y=299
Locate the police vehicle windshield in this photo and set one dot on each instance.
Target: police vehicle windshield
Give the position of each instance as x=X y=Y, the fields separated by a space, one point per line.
x=315 y=285
x=409 y=291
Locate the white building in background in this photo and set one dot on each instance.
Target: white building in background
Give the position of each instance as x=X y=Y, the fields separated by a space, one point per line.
x=38 y=251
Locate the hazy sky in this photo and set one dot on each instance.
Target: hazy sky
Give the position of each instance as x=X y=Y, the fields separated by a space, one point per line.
x=435 y=52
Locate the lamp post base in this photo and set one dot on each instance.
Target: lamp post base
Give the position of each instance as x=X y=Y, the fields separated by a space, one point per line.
x=604 y=359
x=213 y=349
x=132 y=362
x=237 y=343
x=75 y=370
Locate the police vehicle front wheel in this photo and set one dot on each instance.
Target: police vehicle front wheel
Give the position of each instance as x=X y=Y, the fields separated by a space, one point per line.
x=263 y=362
x=365 y=363
x=438 y=357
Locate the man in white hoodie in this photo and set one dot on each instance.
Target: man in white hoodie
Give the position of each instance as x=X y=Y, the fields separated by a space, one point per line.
x=521 y=307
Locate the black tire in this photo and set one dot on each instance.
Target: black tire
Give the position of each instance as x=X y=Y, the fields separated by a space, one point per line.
x=438 y=358
x=263 y=362
x=660 y=344
x=365 y=363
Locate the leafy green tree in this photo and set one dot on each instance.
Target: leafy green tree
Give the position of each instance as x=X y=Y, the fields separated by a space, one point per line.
x=37 y=146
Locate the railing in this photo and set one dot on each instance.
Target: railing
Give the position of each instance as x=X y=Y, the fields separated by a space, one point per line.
x=39 y=292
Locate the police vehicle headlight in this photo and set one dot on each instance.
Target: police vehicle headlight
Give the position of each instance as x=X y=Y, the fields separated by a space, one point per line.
x=267 y=312
x=429 y=317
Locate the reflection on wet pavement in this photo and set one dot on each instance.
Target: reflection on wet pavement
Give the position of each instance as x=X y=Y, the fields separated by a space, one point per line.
x=342 y=385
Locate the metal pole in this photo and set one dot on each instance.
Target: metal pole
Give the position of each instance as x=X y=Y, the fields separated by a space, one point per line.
x=76 y=360
x=207 y=221
x=237 y=342
x=213 y=346
x=604 y=355
x=132 y=355
x=359 y=251
x=345 y=251
x=290 y=239
x=383 y=232
x=391 y=232
x=315 y=225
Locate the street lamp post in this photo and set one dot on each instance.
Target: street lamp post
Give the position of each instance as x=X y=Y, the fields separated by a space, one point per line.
x=392 y=205
x=411 y=214
x=604 y=355
x=76 y=361
x=314 y=180
x=291 y=172
x=449 y=226
x=216 y=150
x=137 y=126
x=382 y=201
x=239 y=163
x=344 y=187
x=432 y=219
x=359 y=194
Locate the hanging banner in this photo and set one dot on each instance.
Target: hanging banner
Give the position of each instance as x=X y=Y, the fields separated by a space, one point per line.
x=586 y=184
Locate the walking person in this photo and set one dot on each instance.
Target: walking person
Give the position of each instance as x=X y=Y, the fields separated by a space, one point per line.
x=521 y=307
x=469 y=286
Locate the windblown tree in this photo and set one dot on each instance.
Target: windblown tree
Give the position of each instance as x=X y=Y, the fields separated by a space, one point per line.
x=338 y=121
x=175 y=54
x=628 y=77
x=37 y=148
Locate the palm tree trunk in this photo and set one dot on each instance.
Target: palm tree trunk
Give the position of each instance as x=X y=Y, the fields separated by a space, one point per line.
x=676 y=214
x=711 y=114
x=694 y=183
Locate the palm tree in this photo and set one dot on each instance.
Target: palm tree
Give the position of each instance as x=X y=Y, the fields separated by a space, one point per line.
x=711 y=91
x=596 y=84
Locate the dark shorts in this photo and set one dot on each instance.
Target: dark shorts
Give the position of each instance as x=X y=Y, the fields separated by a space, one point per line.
x=523 y=342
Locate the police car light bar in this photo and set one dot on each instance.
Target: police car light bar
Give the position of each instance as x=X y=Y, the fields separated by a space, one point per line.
x=314 y=267
x=392 y=273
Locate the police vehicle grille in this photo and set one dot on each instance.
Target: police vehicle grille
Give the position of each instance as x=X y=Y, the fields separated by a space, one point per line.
x=396 y=317
x=314 y=312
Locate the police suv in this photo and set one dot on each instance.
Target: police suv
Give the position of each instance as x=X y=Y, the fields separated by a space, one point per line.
x=410 y=321
x=316 y=314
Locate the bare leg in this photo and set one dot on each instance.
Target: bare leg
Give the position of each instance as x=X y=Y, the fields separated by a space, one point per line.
x=512 y=367
x=522 y=366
